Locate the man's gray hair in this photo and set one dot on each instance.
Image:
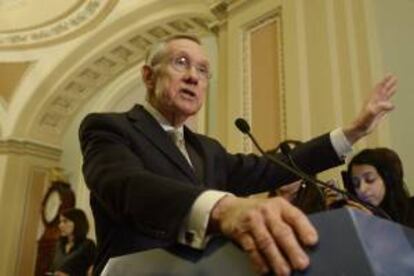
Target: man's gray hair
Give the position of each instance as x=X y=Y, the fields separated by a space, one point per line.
x=157 y=51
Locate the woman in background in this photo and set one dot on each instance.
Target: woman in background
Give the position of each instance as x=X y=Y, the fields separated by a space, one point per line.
x=74 y=253
x=377 y=176
x=310 y=197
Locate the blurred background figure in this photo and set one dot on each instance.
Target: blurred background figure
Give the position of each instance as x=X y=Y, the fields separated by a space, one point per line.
x=74 y=253
x=306 y=196
x=310 y=197
x=377 y=176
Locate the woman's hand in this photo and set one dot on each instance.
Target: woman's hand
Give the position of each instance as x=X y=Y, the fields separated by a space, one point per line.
x=331 y=196
x=358 y=206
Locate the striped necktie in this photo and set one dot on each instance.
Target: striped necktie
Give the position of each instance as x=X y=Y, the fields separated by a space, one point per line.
x=178 y=138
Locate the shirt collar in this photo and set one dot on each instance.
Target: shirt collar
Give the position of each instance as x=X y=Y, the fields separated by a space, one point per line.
x=161 y=119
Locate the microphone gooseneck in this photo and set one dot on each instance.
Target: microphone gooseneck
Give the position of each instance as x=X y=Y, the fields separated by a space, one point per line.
x=244 y=127
x=286 y=149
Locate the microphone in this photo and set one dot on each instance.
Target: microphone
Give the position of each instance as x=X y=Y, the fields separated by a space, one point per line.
x=244 y=127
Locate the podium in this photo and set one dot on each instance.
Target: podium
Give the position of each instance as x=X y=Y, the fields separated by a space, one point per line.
x=350 y=243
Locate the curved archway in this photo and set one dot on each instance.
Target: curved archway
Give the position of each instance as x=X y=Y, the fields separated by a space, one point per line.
x=83 y=73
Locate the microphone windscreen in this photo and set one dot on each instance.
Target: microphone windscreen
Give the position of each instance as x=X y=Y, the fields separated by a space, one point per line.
x=242 y=125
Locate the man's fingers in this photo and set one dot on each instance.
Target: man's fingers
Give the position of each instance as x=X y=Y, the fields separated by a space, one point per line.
x=389 y=78
x=286 y=240
x=269 y=247
x=287 y=227
x=297 y=225
x=271 y=232
x=301 y=225
x=389 y=85
x=248 y=244
x=385 y=106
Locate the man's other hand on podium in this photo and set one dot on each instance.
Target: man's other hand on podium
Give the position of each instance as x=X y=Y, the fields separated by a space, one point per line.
x=271 y=231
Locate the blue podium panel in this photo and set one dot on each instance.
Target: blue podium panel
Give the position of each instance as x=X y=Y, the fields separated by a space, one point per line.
x=221 y=257
x=355 y=243
x=350 y=243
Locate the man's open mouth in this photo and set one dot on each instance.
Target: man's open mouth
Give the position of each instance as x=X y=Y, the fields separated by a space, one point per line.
x=188 y=92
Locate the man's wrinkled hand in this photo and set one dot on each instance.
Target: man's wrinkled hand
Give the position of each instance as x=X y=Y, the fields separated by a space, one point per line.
x=271 y=231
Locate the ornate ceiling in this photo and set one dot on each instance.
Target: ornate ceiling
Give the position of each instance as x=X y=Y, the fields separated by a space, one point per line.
x=104 y=67
x=27 y=25
x=53 y=59
x=59 y=20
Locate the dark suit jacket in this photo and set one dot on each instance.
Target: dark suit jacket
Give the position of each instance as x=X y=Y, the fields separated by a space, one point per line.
x=142 y=187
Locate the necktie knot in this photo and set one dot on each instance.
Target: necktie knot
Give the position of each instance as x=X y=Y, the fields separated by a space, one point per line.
x=178 y=138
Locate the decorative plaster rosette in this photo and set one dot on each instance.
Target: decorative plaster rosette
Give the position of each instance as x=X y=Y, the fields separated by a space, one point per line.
x=82 y=17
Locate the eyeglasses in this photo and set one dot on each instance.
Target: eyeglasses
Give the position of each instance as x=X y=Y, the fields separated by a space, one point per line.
x=183 y=64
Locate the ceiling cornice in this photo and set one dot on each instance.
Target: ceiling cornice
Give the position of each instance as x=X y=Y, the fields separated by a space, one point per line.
x=85 y=16
x=29 y=148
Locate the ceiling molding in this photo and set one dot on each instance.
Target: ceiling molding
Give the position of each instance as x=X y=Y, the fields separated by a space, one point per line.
x=117 y=48
x=32 y=21
x=86 y=16
x=91 y=77
x=12 y=146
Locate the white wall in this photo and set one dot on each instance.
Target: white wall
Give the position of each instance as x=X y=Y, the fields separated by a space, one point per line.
x=395 y=25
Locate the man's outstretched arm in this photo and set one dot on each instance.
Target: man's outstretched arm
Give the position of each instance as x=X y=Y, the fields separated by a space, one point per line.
x=374 y=109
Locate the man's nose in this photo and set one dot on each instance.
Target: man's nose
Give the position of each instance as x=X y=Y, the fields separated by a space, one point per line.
x=191 y=76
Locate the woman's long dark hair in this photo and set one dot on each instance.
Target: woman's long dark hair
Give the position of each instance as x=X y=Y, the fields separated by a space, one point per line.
x=81 y=225
x=396 y=201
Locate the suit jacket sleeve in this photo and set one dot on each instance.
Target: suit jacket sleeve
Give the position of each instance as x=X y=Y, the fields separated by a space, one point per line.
x=137 y=187
x=117 y=175
x=247 y=174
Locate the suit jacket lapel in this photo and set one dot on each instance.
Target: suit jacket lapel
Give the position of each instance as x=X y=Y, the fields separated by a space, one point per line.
x=202 y=149
x=150 y=128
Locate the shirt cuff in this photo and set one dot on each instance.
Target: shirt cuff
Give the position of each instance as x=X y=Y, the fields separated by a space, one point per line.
x=340 y=143
x=193 y=231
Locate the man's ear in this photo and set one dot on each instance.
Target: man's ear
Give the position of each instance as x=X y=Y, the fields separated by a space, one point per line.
x=148 y=76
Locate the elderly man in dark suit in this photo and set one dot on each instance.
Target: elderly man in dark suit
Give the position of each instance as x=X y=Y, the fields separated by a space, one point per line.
x=149 y=190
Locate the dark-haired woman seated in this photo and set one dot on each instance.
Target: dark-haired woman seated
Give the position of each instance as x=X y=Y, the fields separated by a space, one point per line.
x=377 y=176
